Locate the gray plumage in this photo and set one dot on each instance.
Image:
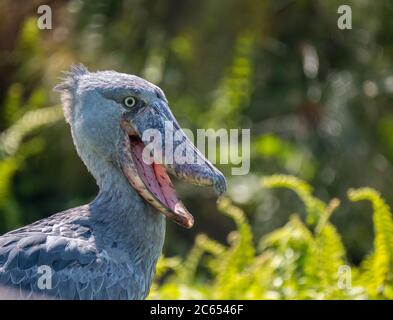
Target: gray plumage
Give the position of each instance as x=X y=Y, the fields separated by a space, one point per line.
x=92 y=254
x=107 y=249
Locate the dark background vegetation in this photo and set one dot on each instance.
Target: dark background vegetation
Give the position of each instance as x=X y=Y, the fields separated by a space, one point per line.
x=318 y=100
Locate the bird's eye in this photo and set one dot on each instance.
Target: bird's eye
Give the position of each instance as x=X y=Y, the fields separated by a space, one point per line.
x=129 y=102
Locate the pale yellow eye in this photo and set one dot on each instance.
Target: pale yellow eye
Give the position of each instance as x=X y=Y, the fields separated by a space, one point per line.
x=129 y=102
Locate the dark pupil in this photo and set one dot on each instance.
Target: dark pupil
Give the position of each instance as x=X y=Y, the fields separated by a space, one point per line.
x=130 y=101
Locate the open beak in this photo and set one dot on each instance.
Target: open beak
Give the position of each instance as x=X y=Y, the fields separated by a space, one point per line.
x=147 y=170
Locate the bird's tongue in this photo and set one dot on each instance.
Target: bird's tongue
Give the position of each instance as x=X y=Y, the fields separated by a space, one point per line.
x=157 y=181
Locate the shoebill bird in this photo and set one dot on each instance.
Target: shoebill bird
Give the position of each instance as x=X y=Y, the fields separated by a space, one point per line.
x=108 y=249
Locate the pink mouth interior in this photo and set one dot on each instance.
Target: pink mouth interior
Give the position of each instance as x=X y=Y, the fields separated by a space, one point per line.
x=154 y=176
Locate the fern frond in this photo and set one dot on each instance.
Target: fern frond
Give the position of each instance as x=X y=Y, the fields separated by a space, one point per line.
x=314 y=206
x=12 y=137
x=377 y=267
x=231 y=279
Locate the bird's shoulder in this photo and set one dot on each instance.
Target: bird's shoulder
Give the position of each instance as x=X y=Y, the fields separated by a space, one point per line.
x=65 y=244
x=75 y=219
x=56 y=241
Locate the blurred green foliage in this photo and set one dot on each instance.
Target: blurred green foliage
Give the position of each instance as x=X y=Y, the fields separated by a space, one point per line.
x=317 y=100
x=296 y=261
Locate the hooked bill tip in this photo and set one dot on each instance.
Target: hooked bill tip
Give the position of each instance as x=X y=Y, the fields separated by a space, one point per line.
x=186 y=220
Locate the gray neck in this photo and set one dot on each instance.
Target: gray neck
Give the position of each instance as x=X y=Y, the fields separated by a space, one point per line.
x=128 y=229
x=123 y=224
x=123 y=220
